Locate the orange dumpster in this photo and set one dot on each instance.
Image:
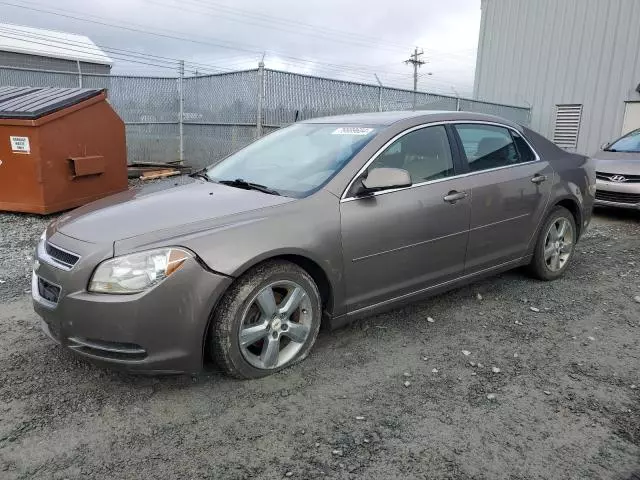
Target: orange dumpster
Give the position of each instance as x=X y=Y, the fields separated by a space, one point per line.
x=59 y=148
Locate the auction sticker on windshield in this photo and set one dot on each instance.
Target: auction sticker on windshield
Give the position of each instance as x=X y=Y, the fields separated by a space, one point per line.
x=352 y=131
x=20 y=144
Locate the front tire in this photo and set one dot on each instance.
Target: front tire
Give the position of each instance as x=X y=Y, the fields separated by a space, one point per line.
x=555 y=245
x=268 y=320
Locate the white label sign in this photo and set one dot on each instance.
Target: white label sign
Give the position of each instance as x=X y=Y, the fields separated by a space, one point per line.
x=352 y=131
x=20 y=144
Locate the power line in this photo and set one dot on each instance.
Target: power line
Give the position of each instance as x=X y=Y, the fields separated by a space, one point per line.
x=361 y=73
x=297 y=27
x=125 y=55
x=122 y=26
x=83 y=51
x=42 y=38
x=171 y=63
x=120 y=54
x=361 y=78
x=172 y=66
x=221 y=44
x=84 y=48
x=340 y=67
x=297 y=24
x=277 y=23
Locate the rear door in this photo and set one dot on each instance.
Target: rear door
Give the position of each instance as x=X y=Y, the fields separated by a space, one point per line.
x=510 y=190
x=400 y=241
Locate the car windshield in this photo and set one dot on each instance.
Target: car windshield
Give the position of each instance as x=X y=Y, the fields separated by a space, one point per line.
x=295 y=161
x=629 y=143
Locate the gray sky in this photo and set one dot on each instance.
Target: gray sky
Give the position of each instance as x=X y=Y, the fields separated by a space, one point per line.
x=338 y=39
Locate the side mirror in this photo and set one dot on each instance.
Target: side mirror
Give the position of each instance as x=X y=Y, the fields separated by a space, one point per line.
x=385 y=179
x=604 y=145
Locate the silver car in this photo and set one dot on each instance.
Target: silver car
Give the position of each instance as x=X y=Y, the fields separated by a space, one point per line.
x=325 y=221
x=618 y=172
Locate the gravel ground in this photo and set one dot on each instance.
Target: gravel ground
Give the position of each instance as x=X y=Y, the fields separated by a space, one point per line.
x=512 y=379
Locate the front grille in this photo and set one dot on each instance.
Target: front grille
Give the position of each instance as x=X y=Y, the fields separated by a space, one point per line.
x=61 y=256
x=48 y=291
x=607 y=177
x=618 y=197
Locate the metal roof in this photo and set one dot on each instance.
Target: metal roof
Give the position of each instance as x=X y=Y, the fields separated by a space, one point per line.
x=50 y=43
x=29 y=103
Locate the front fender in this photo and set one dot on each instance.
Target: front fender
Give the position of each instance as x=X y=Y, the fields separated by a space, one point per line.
x=308 y=228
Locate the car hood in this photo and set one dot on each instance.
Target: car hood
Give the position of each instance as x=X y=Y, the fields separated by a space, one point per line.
x=167 y=206
x=622 y=163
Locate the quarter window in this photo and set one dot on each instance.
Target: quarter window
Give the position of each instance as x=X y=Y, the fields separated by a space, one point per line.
x=489 y=146
x=524 y=150
x=424 y=153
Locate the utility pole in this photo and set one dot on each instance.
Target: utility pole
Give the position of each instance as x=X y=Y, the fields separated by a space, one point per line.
x=414 y=59
x=260 y=105
x=181 y=113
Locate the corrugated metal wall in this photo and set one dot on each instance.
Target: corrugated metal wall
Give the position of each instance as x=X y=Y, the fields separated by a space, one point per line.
x=548 y=52
x=22 y=60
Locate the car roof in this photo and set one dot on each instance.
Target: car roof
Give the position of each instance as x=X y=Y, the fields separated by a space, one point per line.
x=388 y=118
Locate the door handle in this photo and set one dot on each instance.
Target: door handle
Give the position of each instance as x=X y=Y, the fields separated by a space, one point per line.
x=538 y=178
x=453 y=196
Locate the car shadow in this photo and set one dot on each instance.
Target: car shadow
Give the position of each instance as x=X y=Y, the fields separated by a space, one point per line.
x=610 y=214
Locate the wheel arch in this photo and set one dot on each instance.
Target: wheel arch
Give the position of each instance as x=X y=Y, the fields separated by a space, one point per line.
x=572 y=205
x=567 y=202
x=308 y=264
x=301 y=259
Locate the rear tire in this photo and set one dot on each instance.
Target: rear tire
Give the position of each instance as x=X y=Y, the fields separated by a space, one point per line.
x=268 y=320
x=555 y=245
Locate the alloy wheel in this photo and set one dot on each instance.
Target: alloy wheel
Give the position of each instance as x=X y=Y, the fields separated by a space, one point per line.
x=558 y=244
x=275 y=325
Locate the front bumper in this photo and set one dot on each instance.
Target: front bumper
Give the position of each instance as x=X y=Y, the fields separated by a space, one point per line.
x=619 y=195
x=161 y=330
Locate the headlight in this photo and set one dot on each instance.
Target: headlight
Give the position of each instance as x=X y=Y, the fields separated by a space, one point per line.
x=136 y=272
x=43 y=237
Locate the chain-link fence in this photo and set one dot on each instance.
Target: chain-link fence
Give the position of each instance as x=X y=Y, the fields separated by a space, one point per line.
x=150 y=109
x=149 y=106
x=217 y=114
x=220 y=115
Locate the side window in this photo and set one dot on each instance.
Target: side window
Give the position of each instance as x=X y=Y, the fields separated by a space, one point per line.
x=524 y=150
x=424 y=153
x=488 y=146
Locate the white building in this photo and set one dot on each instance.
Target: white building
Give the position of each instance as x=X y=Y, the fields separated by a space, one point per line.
x=575 y=62
x=39 y=49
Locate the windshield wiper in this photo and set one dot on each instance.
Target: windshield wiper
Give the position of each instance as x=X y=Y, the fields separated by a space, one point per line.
x=240 y=183
x=202 y=173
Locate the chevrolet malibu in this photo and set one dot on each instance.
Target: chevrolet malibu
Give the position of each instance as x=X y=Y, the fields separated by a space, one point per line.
x=325 y=221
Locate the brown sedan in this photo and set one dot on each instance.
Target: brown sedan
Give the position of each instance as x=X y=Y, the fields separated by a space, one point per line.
x=328 y=219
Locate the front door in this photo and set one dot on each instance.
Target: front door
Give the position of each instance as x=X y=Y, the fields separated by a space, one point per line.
x=511 y=188
x=400 y=241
